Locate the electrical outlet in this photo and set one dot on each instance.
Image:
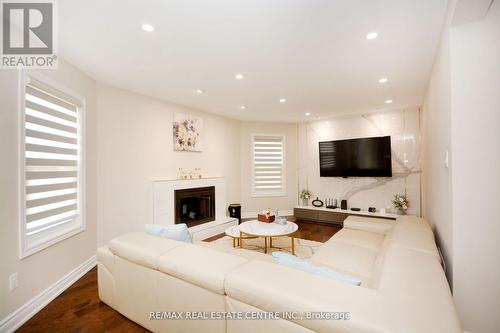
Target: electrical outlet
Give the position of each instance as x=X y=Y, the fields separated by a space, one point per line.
x=13 y=281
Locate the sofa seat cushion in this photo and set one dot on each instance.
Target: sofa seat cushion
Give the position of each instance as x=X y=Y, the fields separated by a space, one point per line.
x=247 y=254
x=369 y=224
x=200 y=265
x=364 y=239
x=297 y=291
x=288 y=260
x=414 y=272
x=142 y=248
x=347 y=258
x=416 y=281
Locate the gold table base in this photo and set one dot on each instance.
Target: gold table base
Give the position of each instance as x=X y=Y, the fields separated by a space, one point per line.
x=242 y=237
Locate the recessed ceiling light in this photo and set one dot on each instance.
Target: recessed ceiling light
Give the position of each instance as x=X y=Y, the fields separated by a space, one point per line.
x=199 y=91
x=148 y=27
x=389 y=101
x=282 y=100
x=383 y=80
x=372 y=35
x=308 y=113
x=239 y=76
x=243 y=107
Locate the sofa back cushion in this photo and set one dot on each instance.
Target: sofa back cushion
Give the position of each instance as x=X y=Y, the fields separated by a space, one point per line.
x=142 y=248
x=380 y=236
x=369 y=224
x=414 y=233
x=412 y=222
x=410 y=233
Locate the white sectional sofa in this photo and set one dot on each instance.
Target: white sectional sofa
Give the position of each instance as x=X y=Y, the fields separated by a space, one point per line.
x=404 y=289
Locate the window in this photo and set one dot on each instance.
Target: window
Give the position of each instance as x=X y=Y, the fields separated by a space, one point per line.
x=52 y=166
x=268 y=165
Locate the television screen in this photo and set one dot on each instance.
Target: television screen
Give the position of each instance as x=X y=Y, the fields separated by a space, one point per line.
x=365 y=157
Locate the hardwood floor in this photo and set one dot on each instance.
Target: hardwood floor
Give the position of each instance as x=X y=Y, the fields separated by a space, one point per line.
x=79 y=309
x=318 y=232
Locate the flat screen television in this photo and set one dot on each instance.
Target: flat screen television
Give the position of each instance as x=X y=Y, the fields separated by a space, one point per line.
x=364 y=157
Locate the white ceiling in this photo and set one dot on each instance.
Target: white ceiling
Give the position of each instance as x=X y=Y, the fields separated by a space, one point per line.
x=312 y=52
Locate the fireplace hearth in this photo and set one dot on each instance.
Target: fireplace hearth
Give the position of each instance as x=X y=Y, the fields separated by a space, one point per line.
x=195 y=206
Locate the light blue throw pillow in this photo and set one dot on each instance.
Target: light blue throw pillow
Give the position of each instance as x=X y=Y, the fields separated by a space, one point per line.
x=178 y=232
x=288 y=260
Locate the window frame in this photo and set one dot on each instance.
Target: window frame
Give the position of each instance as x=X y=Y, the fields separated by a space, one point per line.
x=30 y=244
x=259 y=194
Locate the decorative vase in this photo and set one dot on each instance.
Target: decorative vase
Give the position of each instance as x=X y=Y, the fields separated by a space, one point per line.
x=401 y=211
x=305 y=202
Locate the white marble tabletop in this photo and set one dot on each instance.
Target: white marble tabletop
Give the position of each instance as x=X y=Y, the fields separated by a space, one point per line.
x=233 y=231
x=263 y=229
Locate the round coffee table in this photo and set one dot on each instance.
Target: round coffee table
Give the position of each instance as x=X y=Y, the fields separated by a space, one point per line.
x=234 y=233
x=254 y=228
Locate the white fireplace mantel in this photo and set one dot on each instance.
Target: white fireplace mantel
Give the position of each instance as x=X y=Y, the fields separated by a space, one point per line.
x=164 y=204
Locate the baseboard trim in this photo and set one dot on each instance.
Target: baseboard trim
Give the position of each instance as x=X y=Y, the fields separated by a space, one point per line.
x=17 y=318
x=247 y=215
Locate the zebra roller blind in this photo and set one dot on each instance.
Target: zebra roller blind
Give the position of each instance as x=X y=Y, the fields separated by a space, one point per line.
x=52 y=155
x=268 y=165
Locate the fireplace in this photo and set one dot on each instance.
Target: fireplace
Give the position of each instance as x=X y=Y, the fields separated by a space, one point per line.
x=195 y=206
x=165 y=207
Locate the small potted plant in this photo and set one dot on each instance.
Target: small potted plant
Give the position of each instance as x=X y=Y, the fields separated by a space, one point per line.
x=305 y=195
x=401 y=203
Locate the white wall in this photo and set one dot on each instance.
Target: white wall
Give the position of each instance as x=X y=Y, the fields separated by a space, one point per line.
x=462 y=115
x=364 y=192
x=249 y=204
x=40 y=270
x=475 y=135
x=436 y=141
x=136 y=147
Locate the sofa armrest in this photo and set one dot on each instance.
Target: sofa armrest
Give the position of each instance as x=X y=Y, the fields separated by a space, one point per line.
x=369 y=224
x=106 y=257
x=105 y=276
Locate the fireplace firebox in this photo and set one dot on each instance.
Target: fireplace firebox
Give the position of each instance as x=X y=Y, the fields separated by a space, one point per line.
x=195 y=206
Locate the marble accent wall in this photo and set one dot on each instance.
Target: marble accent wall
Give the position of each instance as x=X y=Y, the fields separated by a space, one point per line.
x=404 y=128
